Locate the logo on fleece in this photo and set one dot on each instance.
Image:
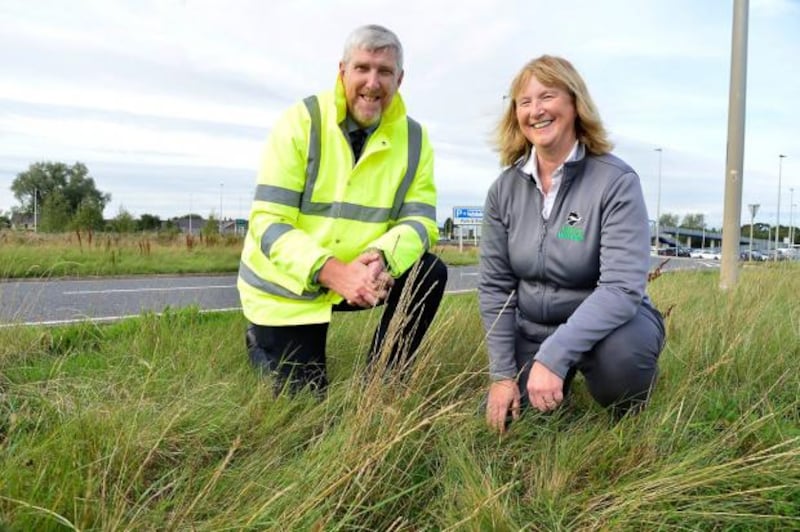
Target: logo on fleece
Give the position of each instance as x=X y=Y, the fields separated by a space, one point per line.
x=572 y=230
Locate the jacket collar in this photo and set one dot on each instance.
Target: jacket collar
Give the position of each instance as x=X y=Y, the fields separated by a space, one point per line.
x=571 y=168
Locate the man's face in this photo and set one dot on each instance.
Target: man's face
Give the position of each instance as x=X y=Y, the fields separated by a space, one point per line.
x=371 y=79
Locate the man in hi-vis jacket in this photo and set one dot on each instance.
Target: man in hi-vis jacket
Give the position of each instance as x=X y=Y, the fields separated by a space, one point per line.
x=345 y=205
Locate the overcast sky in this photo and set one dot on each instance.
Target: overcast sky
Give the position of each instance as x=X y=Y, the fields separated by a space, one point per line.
x=168 y=102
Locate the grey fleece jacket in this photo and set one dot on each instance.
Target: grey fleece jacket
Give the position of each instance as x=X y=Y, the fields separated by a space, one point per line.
x=569 y=281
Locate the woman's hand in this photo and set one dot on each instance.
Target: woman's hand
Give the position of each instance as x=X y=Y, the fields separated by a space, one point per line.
x=545 y=388
x=503 y=396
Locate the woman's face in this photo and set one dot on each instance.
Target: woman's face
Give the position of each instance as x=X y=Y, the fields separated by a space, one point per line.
x=546 y=116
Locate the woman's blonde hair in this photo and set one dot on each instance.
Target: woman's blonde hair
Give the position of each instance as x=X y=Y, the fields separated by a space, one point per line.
x=552 y=72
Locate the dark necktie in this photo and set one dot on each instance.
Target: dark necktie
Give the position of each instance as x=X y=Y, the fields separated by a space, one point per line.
x=357 y=139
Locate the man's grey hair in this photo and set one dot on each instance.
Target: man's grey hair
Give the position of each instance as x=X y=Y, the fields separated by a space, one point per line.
x=373 y=37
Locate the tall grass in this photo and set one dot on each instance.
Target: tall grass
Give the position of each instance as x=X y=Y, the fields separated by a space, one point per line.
x=158 y=423
x=36 y=255
x=68 y=254
x=451 y=254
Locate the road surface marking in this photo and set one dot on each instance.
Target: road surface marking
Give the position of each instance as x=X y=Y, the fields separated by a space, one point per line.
x=105 y=318
x=132 y=290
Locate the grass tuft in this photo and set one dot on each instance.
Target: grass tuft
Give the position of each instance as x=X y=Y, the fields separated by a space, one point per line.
x=159 y=423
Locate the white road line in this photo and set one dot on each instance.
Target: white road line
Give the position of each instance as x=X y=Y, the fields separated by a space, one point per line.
x=105 y=319
x=132 y=290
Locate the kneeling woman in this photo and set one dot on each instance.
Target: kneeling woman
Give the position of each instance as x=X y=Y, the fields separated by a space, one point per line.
x=564 y=255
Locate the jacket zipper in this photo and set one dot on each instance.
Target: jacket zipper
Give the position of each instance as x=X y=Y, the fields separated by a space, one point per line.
x=542 y=238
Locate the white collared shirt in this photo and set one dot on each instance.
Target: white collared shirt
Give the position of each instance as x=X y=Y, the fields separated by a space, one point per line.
x=531 y=168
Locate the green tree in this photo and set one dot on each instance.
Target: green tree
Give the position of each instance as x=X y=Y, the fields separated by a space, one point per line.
x=5 y=220
x=694 y=221
x=45 y=178
x=211 y=228
x=448 y=228
x=149 y=222
x=123 y=222
x=668 y=220
x=88 y=217
x=760 y=230
x=54 y=216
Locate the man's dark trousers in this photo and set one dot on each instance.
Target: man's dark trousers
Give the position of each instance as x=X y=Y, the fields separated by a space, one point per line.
x=295 y=354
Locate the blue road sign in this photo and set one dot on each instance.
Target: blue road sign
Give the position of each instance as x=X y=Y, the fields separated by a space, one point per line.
x=467 y=215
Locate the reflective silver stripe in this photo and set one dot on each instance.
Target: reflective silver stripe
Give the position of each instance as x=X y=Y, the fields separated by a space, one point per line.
x=284 y=196
x=250 y=277
x=417 y=209
x=420 y=229
x=272 y=234
x=352 y=211
x=414 y=150
x=314 y=148
x=349 y=211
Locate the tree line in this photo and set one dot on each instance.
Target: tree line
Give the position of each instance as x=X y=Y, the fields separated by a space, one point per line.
x=696 y=221
x=65 y=198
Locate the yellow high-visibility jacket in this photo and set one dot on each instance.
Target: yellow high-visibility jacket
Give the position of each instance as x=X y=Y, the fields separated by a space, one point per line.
x=313 y=203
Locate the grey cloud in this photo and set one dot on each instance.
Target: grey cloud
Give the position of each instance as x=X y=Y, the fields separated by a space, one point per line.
x=67 y=112
x=111 y=69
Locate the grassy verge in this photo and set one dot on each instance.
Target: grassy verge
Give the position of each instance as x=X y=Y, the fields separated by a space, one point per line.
x=158 y=423
x=28 y=255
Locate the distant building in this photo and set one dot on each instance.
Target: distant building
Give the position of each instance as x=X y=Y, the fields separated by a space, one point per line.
x=189 y=224
x=236 y=226
x=22 y=222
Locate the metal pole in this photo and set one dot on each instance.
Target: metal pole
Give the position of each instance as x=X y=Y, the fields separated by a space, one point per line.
x=220 y=208
x=35 y=210
x=753 y=210
x=781 y=157
x=791 y=216
x=731 y=228
x=658 y=203
x=190 y=213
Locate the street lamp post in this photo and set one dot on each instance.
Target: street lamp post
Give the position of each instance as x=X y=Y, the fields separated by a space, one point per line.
x=35 y=210
x=791 y=217
x=731 y=229
x=781 y=157
x=753 y=210
x=658 y=202
x=220 y=207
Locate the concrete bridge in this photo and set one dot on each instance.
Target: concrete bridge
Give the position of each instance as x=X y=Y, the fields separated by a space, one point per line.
x=699 y=238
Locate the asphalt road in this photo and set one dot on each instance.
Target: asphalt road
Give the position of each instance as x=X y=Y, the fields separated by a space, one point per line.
x=59 y=301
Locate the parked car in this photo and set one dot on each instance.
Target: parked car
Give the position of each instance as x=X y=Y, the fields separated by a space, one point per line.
x=755 y=256
x=706 y=253
x=674 y=251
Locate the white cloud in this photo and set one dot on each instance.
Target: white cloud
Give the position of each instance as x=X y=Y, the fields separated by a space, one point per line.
x=191 y=87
